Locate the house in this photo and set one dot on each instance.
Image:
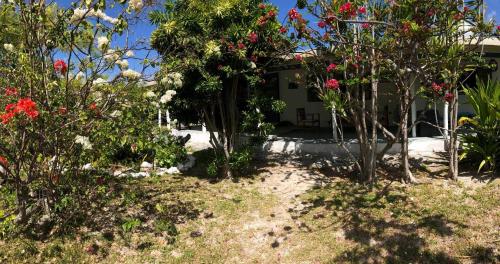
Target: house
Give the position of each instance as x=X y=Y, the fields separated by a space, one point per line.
x=288 y=82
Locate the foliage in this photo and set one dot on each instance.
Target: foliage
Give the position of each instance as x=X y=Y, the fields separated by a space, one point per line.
x=482 y=139
x=168 y=150
x=62 y=88
x=220 y=49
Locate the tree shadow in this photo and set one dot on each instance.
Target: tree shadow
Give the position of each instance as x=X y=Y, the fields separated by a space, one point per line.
x=383 y=224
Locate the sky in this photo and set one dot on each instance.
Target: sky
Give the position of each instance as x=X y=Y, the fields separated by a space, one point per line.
x=142 y=30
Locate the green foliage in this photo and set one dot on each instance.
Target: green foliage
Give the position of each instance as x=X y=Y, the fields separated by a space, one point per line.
x=130 y=224
x=168 y=151
x=481 y=141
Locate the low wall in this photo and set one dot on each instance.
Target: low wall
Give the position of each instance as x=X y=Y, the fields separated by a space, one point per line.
x=421 y=146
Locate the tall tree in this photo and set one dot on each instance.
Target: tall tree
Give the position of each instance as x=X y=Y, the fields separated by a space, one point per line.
x=220 y=48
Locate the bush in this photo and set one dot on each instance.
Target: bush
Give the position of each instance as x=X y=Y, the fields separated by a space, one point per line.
x=168 y=150
x=481 y=141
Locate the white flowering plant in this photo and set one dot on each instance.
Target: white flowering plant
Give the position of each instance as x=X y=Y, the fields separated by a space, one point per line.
x=63 y=82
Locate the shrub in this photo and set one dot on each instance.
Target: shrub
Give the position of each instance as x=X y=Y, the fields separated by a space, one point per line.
x=481 y=141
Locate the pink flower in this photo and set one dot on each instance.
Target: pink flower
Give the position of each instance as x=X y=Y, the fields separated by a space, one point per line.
x=321 y=24
x=332 y=84
x=362 y=10
x=298 y=57
x=271 y=13
x=253 y=38
x=60 y=66
x=436 y=87
x=448 y=97
x=331 y=67
x=365 y=25
x=283 y=30
x=293 y=14
x=241 y=45
x=262 y=6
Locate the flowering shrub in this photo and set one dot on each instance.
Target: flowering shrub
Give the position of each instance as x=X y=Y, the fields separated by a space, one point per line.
x=56 y=101
x=209 y=69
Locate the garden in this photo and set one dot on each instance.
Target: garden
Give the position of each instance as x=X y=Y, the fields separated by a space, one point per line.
x=94 y=95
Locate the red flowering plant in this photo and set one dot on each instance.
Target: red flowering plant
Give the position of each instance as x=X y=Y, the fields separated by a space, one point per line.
x=388 y=39
x=52 y=71
x=220 y=64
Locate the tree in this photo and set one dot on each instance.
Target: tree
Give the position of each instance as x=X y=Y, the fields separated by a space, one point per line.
x=219 y=50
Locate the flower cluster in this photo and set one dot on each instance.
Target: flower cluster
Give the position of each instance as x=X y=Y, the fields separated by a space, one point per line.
x=102 y=42
x=348 y=9
x=60 y=66
x=25 y=105
x=10 y=91
x=4 y=162
x=136 y=5
x=332 y=84
x=81 y=13
x=173 y=79
x=167 y=97
x=293 y=14
x=84 y=141
x=8 y=47
x=253 y=37
x=331 y=67
x=441 y=88
x=123 y=64
x=131 y=74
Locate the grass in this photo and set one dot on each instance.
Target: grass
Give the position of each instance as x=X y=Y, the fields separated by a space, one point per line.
x=185 y=219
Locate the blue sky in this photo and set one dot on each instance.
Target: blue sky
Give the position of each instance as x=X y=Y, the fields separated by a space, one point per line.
x=143 y=29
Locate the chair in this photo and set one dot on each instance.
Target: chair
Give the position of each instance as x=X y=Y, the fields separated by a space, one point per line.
x=307 y=120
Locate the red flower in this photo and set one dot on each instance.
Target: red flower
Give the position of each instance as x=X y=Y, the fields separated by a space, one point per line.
x=321 y=24
x=283 y=30
x=25 y=105
x=262 y=6
x=466 y=9
x=230 y=46
x=298 y=57
x=348 y=9
x=448 y=97
x=262 y=21
x=365 y=25
x=293 y=14
x=406 y=27
x=498 y=27
x=458 y=16
x=10 y=91
x=331 y=67
x=4 y=162
x=60 y=67
x=253 y=38
x=436 y=87
x=332 y=84
x=253 y=58
x=10 y=107
x=362 y=10
x=62 y=110
x=241 y=45
x=219 y=67
x=7 y=117
x=93 y=106
x=271 y=13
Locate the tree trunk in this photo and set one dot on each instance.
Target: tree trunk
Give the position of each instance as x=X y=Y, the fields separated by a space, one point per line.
x=453 y=144
x=405 y=163
x=334 y=126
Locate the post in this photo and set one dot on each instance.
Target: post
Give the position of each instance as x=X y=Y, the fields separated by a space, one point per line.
x=159 y=117
x=203 y=127
x=413 y=113
x=167 y=116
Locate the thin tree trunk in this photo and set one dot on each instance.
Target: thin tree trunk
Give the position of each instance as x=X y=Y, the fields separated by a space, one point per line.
x=453 y=145
x=405 y=163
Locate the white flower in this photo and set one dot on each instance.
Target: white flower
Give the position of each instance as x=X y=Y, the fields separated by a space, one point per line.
x=102 y=42
x=8 y=47
x=99 y=81
x=252 y=65
x=131 y=74
x=111 y=55
x=78 y=14
x=122 y=63
x=80 y=75
x=84 y=141
x=136 y=4
x=116 y=113
x=173 y=79
x=129 y=53
x=167 y=97
x=150 y=94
